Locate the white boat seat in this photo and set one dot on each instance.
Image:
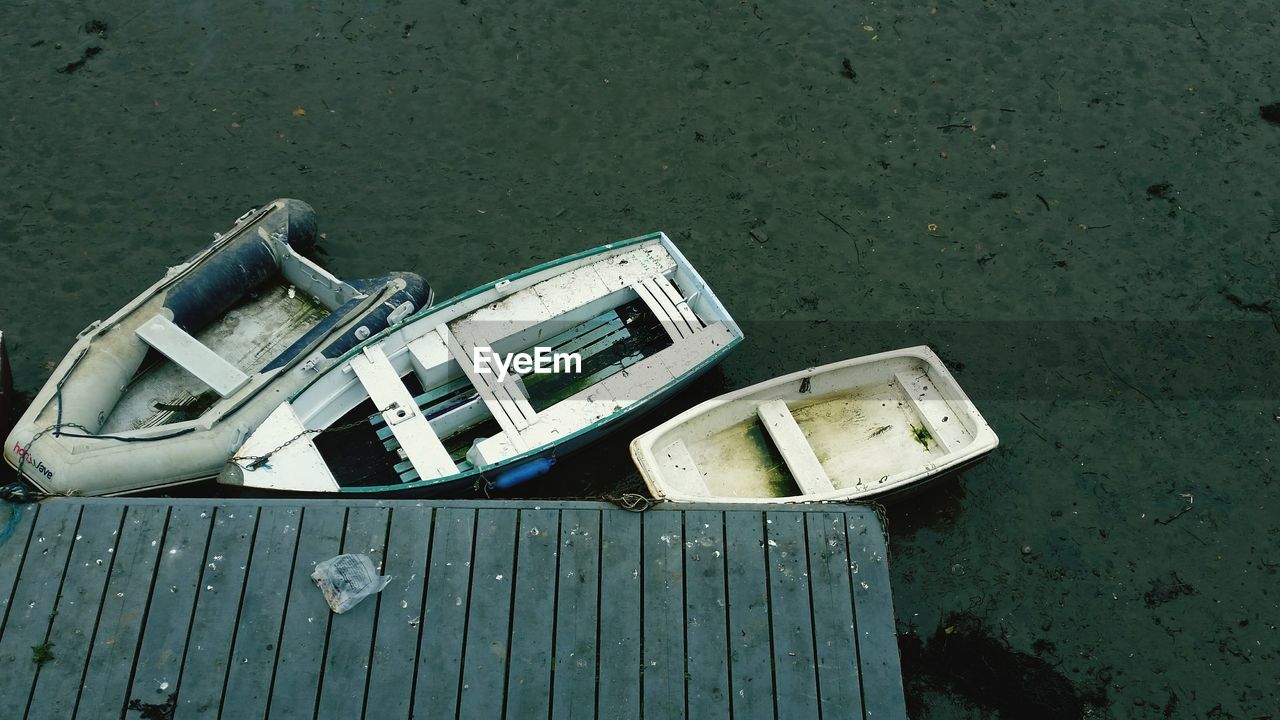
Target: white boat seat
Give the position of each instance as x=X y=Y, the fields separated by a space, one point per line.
x=505 y=400
x=935 y=413
x=192 y=355
x=796 y=451
x=665 y=303
x=418 y=441
x=685 y=474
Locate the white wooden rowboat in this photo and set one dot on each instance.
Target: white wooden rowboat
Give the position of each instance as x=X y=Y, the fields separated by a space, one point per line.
x=411 y=412
x=850 y=430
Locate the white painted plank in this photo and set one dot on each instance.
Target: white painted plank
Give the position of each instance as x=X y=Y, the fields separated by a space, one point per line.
x=795 y=449
x=931 y=407
x=191 y=355
x=418 y=441
x=509 y=419
x=657 y=303
x=684 y=472
x=681 y=305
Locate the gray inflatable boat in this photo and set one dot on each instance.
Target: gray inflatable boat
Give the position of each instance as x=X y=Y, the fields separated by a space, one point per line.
x=164 y=391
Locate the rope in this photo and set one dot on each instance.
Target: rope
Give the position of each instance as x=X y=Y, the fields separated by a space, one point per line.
x=257 y=461
x=632 y=502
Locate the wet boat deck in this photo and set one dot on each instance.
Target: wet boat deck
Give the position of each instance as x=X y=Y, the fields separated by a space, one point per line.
x=518 y=609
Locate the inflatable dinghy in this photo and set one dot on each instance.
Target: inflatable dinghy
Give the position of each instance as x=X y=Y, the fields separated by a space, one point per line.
x=164 y=391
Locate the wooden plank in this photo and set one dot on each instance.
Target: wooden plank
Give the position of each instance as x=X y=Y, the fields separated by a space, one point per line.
x=750 y=641
x=808 y=472
x=444 y=619
x=663 y=669
x=257 y=636
x=154 y=682
x=923 y=394
x=16 y=525
x=34 y=604
x=346 y=664
x=706 y=614
x=620 y=616
x=192 y=355
x=388 y=393
x=395 y=648
x=79 y=600
x=124 y=611
x=577 y=610
x=664 y=284
x=657 y=303
x=833 y=622
x=792 y=615
x=873 y=610
x=300 y=654
x=489 y=615
x=528 y=686
x=204 y=670
x=509 y=418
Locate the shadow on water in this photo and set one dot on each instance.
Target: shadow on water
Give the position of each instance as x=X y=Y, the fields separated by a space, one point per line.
x=934 y=508
x=966 y=660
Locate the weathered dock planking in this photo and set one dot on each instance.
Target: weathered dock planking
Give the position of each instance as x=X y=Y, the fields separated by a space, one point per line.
x=205 y=609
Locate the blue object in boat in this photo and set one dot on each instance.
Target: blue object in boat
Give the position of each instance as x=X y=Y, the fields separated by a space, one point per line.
x=524 y=473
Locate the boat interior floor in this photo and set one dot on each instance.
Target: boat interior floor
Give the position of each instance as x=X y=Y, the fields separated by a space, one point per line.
x=248 y=336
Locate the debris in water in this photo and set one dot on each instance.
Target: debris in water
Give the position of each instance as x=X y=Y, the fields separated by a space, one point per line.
x=75 y=65
x=1270 y=113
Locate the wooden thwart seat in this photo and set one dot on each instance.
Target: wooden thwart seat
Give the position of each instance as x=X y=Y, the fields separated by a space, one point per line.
x=935 y=413
x=665 y=302
x=684 y=470
x=192 y=355
x=418 y=441
x=795 y=449
x=505 y=400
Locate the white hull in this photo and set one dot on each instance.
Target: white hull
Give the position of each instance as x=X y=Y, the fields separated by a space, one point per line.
x=846 y=431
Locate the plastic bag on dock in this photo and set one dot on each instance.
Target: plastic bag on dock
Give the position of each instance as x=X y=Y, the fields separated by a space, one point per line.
x=345 y=580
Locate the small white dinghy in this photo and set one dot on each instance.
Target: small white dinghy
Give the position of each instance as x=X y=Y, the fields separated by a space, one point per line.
x=850 y=430
x=415 y=410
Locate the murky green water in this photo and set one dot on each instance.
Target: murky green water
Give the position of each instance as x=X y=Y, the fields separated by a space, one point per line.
x=988 y=180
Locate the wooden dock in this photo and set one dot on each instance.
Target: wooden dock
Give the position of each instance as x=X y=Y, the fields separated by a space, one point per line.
x=205 y=609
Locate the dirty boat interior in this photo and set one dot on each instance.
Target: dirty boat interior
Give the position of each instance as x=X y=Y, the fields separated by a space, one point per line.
x=262 y=324
x=856 y=429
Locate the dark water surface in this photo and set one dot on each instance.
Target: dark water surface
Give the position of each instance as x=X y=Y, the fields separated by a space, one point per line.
x=1074 y=203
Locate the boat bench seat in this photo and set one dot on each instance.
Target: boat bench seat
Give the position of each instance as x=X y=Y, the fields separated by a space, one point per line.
x=685 y=474
x=671 y=309
x=191 y=355
x=796 y=451
x=934 y=411
x=418 y=441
